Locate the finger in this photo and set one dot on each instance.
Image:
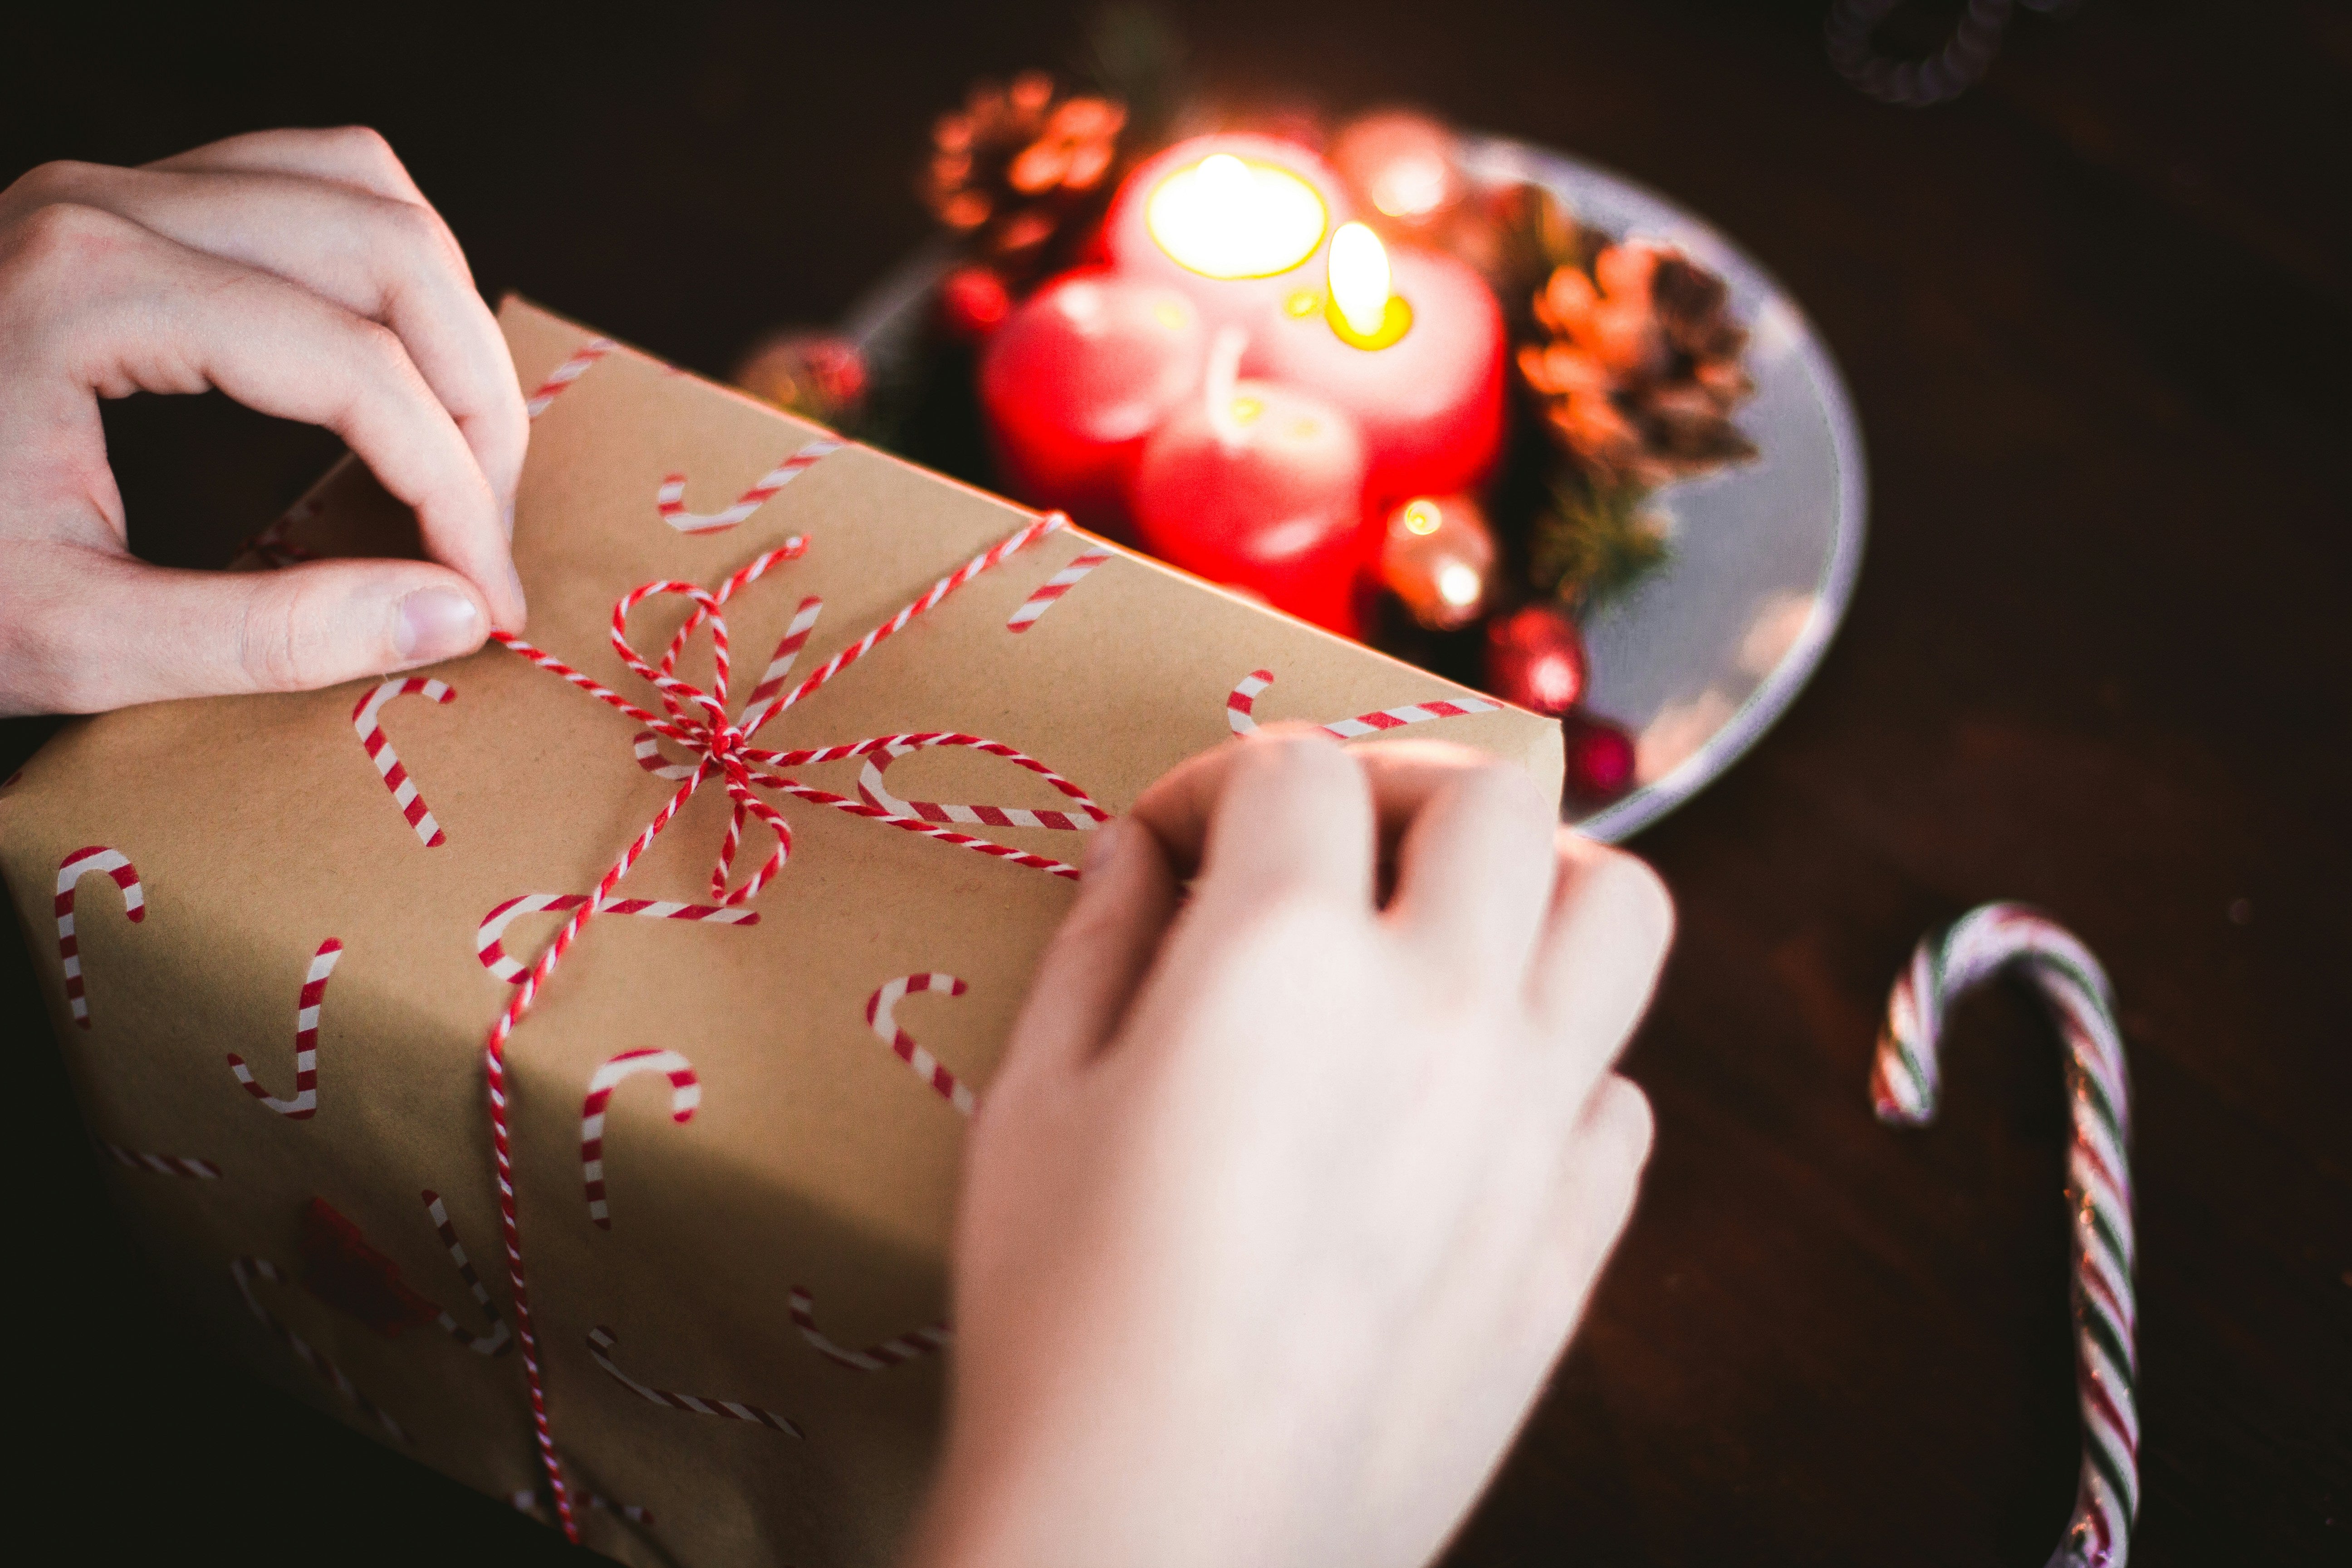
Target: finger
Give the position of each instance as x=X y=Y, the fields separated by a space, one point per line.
x=348 y=155
x=1282 y=810
x=390 y=259
x=210 y=633
x=1092 y=968
x=1473 y=877
x=161 y=317
x=1600 y=1168
x=1597 y=963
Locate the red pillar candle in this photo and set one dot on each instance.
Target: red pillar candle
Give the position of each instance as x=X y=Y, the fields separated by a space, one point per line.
x=1237 y=222
x=1078 y=377
x=1259 y=486
x=1410 y=343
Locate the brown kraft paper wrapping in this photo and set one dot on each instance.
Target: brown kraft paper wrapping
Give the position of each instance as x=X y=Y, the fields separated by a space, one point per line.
x=257 y=829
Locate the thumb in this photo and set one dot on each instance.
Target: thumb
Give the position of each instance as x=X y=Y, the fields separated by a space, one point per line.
x=1095 y=963
x=118 y=631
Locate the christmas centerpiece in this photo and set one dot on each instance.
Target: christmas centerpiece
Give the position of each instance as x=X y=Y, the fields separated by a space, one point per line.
x=1322 y=363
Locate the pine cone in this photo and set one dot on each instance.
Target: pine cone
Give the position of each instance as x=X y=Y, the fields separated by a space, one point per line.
x=1639 y=375
x=1017 y=163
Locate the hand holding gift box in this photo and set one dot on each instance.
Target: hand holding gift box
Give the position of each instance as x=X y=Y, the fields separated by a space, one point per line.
x=978 y=680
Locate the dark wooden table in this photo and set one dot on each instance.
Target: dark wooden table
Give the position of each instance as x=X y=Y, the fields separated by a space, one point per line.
x=2097 y=319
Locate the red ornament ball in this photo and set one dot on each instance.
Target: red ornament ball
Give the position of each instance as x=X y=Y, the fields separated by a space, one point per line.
x=1600 y=759
x=973 y=303
x=1535 y=658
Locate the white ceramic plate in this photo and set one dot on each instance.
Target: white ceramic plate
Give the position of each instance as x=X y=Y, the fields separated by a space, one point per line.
x=1701 y=658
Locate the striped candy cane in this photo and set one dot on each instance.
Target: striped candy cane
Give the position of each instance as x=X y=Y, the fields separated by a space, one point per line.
x=163 y=1165
x=1059 y=583
x=1904 y=1083
x=670 y=499
x=1242 y=702
x=1088 y=818
x=881 y=1015
x=564 y=375
x=496 y=1341
x=525 y=1500
x=601 y=1342
x=367 y=719
x=906 y=1347
x=305 y=1041
x=493 y=954
x=244 y=1270
x=684 y=1094
x=71 y=870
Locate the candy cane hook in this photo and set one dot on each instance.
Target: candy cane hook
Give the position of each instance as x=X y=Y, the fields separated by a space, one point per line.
x=670 y=498
x=1241 y=706
x=906 y=1347
x=601 y=1342
x=305 y=1041
x=244 y=1270
x=881 y=1015
x=496 y=1341
x=367 y=719
x=1904 y=1082
x=71 y=870
x=684 y=1094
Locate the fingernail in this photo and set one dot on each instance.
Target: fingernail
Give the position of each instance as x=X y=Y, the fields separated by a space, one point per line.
x=507 y=517
x=1105 y=846
x=434 y=624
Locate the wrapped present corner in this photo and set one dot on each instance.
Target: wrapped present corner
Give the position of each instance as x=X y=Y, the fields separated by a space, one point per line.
x=872 y=713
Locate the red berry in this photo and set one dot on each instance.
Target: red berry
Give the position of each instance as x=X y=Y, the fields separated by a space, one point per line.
x=973 y=303
x=1600 y=759
x=1535 y=658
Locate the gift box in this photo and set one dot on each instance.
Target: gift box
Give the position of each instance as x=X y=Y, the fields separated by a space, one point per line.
x=285 y=936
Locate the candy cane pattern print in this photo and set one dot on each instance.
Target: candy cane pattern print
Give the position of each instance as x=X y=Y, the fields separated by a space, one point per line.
x=1059 y=583
x=496 y=1341
x=367 y=719
x=891 y=1352
x=244 y=1270
x=305 y=1041
x=684 y=1094
x=870 y=788
x=163 y=1165
x=564 y=375
x=670 y=498
x=1904 y=1084
x=881 y=1014
x=1242 y=702
x=601 y=1342
x=493 y=954
x=70 y=871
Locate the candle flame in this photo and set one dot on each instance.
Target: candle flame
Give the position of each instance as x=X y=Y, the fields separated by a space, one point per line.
x=1224 y=217
x=1359 y=278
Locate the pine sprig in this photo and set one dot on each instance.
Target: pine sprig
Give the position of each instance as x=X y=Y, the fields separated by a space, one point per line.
x=1591 y=543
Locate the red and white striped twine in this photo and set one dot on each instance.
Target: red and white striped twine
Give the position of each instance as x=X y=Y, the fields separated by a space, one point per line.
x=1242 y=719
x=526 y=1500
x=1059 y=583
x=871 y=789
x=244 y=1270
x=367 y=719
x=881 y=1015
x=564 y=375
x=305 y=1041
x=684 y=1094
x=496 y=1341
x=909 y=1346
x=492 y=953
x=670 y=499
x=163 y=1165
x=71 y=870
x=599 y=1345
x=1904 y=1083
x=697 y=721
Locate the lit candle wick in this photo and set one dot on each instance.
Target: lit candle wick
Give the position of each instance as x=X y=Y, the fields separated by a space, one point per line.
x=1359 y=278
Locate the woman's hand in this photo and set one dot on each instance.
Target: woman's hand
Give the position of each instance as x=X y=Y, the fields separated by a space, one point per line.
x=1286 y=1197
x=301 y=273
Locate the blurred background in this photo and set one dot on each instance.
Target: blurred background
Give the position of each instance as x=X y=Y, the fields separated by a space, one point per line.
x=2097 y=315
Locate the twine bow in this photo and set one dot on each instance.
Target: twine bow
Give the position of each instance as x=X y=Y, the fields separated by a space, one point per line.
x=716 y=747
